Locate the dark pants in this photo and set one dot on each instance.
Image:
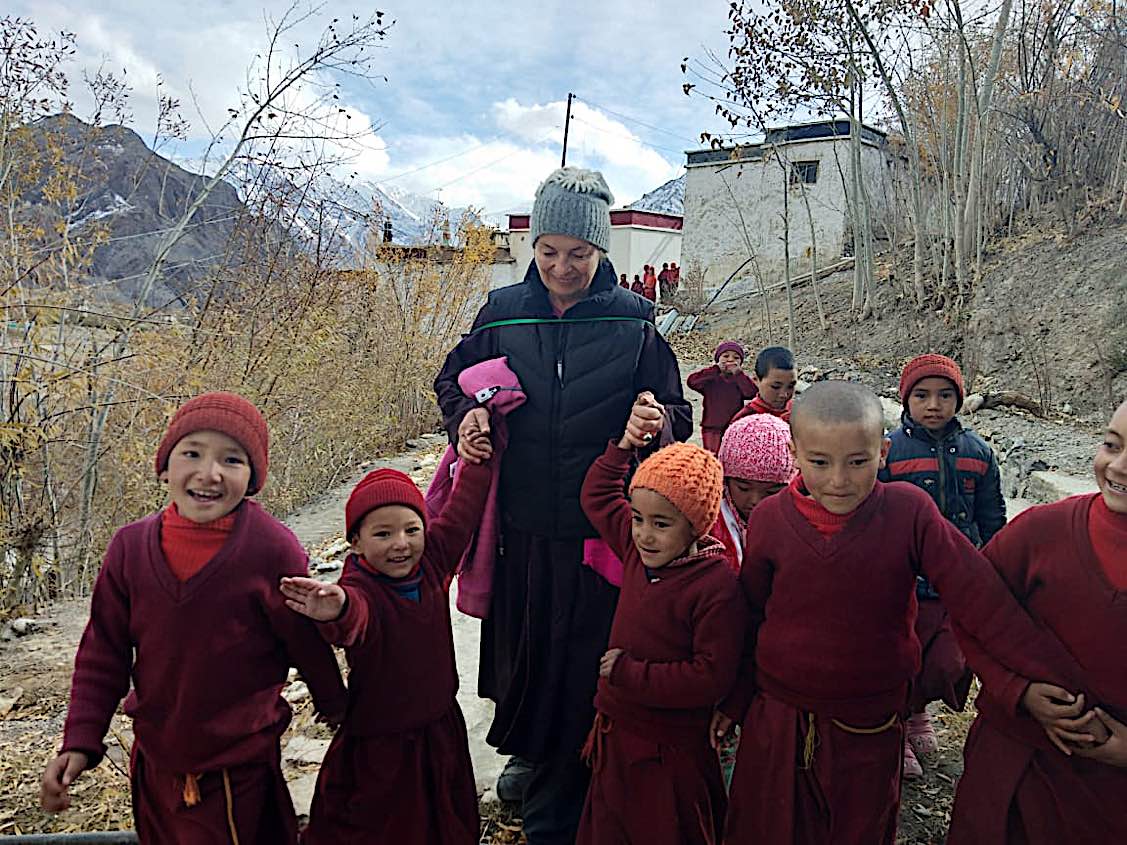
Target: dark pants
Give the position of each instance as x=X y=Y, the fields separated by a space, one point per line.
x=553 y=800
x=547 y=628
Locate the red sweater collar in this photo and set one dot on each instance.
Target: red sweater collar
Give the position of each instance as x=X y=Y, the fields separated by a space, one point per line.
x=762 y=407
x=827 y=524
x=187 y=545
x=1108 y=532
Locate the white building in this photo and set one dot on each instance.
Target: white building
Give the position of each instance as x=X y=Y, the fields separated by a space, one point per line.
x=637 y=238
x=735 y=199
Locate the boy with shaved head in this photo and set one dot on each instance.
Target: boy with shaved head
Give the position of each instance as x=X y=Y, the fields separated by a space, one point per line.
x=829 y=572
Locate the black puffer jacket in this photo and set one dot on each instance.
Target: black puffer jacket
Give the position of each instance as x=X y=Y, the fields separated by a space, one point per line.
x=580 y=378
x=958 y=469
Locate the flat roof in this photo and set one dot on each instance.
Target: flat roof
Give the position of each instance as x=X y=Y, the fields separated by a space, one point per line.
x=619 y=217
x=815 y=131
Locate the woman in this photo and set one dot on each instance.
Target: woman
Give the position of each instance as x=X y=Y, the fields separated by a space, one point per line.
x=583 y=349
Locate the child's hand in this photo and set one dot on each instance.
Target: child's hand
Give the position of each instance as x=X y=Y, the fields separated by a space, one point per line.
x=313 y=598
x=474 y=444
x=57 y=777
x=730 y=367
x=719 y=729
x=1113 y=751
x=1059 y=713
x=607 y=661
x=647 y=418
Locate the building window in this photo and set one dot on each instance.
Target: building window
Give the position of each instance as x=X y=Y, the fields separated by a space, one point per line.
x=805 y=172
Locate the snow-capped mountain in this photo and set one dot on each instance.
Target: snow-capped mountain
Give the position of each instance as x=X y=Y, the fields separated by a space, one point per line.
x=667 y=199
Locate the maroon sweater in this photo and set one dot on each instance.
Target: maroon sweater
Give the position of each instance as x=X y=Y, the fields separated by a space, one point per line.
x=681 y=632
x=832 y=618
x=208 y=657
x=724 y=394
x=401 y=651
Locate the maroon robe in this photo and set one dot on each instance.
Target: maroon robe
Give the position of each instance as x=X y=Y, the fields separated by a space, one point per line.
x=1017 y=787
x=399 y=769
x=656 y=779
x=724 y=395
x=831 y=654
x=212 y=656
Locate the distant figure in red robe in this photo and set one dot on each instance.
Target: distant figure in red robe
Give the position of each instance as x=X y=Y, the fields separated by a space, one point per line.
x=724 y=386
x=637 y=287
x=1045 y=765
x=829 y=572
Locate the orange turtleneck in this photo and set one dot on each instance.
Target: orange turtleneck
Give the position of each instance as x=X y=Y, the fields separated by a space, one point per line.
x=1108 y=532
x=187 y=545
x=827 y=524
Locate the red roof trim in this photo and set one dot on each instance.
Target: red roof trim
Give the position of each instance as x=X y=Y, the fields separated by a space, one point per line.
x=622 y=217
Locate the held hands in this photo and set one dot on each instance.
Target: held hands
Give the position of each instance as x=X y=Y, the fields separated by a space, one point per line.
x=57 y=777
x=719 y=729
x=1113 y=750
x=729 y=368
x=474 y=445
x=647 y=418
x=315 y=599
x=1062 y=717
x=607 y=661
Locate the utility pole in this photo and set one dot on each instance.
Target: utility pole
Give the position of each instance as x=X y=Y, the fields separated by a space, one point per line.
x=567 y=124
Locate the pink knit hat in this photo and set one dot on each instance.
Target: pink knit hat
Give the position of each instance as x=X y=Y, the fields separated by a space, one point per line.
x=755 y=449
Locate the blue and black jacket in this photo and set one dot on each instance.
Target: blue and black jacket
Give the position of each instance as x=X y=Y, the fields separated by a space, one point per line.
x=958 y=470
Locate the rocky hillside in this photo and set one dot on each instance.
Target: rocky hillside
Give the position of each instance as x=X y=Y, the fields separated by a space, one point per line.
x=1049 y=320
x=135 y=195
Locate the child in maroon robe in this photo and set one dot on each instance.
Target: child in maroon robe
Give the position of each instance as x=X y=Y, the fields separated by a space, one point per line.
x=775 y=380
x=724 y=386
x=1042 y=765
x=757 y=462
x=933 y=450
x=192 y=592
x=398 y=769
x=674 y=646
x=829 y=572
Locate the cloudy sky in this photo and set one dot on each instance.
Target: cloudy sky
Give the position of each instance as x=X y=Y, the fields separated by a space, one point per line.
x=472 y=109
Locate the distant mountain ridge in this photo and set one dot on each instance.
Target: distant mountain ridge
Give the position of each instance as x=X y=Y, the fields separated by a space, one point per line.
x=665 y=199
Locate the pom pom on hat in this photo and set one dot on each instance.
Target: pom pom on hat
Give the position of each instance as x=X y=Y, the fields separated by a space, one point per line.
x=756 y=448
x=729 y=346
x=689 y=477
x=378 y=488
x=929 y=366
x=575 y=202
x=229 y=414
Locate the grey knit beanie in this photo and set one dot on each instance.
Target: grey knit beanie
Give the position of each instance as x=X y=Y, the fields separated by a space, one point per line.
x=576 y=202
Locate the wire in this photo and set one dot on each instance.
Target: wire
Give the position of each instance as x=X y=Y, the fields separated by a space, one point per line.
x=635 y=120
x=634 y=138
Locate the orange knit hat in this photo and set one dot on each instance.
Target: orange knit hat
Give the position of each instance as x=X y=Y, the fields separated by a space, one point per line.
x=689 y=477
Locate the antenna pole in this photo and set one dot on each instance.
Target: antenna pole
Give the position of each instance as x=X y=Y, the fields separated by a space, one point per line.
x=567 y=125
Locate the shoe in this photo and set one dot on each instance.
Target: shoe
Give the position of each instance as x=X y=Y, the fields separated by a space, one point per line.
x=513 y=779
x=912 y=768
x=921 y=735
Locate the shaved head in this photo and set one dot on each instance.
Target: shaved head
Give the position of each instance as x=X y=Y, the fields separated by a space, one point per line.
x=831 y=403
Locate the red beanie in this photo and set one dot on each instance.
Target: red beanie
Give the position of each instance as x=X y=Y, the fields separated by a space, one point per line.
x=229 y=414
x=928 y=366
x=378 y=488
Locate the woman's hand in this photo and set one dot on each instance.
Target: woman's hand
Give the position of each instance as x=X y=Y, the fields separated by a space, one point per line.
x=719 y=729
x=647 y=418
x=474 y=445
x=607 y=661
x=317 y=600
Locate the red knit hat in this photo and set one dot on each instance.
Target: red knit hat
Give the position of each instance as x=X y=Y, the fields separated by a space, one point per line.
x=929 y=366
x=229 y=414
x=378 y=488
x=729 y=346
x=689 y=477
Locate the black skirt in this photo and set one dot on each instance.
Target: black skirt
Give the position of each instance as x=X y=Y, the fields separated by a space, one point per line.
x=540 y=645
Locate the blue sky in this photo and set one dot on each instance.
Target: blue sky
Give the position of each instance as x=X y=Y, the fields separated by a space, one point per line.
x=481 y=81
